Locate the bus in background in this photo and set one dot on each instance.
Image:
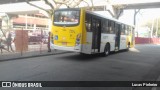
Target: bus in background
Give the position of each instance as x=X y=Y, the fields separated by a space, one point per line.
x=86 y=32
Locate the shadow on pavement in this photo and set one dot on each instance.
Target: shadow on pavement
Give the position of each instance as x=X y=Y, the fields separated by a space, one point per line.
x=81 y=57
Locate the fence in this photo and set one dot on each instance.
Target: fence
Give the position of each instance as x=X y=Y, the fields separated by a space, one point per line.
x=23 y=43
x=140 y=40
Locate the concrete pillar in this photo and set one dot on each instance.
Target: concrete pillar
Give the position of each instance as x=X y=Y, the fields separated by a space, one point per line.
x=109 y=8
x=26 y=23
x=117 y=12
x=35 y=26
x=50 y=24
x=5 y=22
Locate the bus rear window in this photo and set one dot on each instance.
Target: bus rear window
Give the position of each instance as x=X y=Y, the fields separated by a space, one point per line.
x=66 y=17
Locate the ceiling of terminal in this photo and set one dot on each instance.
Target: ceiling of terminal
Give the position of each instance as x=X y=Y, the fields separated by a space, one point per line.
x=34 y=6
x=13 y=1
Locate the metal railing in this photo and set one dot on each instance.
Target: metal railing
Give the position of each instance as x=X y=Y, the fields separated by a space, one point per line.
x=23 y=43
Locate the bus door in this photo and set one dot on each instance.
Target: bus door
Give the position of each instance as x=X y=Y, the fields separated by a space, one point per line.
x=117 y=38
x=96 y=36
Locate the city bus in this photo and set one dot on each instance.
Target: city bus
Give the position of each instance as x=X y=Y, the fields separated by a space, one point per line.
x=79 y=30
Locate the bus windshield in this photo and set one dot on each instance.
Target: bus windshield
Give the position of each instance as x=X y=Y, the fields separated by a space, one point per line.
x=66 y=17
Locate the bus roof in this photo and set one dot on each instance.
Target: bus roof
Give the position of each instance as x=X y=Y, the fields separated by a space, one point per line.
x=113 y=19
x=96 y=14
x=67 y=9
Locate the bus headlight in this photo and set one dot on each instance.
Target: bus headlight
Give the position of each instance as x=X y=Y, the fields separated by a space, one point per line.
x=78 y=39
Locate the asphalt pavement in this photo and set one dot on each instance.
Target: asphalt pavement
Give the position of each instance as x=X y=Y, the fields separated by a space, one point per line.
x=141 y=63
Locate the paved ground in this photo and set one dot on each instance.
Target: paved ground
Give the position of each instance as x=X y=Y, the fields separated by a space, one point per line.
x=33 y=51
x=139 y=64
x=31 y=48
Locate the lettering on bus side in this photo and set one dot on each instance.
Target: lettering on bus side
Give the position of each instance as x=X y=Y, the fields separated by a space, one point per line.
x=105 y=37
x=123 y=38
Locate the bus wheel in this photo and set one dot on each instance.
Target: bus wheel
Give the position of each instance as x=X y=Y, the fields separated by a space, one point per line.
x=106 y=50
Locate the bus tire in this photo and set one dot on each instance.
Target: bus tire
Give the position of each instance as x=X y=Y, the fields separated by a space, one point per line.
x=106 y=50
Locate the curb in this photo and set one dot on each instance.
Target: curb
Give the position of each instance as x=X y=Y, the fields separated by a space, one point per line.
x=34 y=56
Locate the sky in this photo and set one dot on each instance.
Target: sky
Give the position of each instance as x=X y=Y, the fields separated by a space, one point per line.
x=132 y=1
x=143 y=16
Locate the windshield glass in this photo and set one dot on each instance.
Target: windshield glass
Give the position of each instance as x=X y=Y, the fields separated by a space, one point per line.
x=66 y=17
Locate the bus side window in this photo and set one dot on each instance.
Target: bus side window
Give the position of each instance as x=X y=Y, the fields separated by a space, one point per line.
x=126 y=30
x=109 y=27
x=129 y=30
x=123 y=30
x=88 y=23
x=112 y=27
x=117 y=28
x=105 y=27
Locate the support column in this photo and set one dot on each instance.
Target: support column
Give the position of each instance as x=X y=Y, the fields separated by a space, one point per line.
x=35 y=26
x=26 y=23
x=117 y=12
x=5 y=22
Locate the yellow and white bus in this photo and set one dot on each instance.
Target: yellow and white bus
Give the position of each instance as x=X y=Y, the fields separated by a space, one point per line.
x=86 y=32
